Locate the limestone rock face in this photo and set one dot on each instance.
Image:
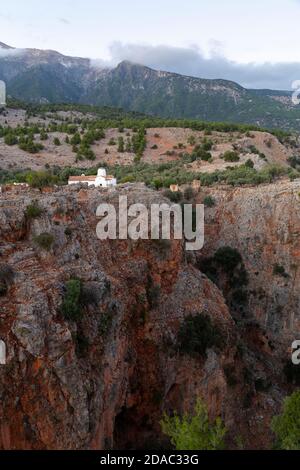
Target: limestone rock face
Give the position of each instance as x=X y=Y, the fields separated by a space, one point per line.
x=263 y=224
x=104 y=380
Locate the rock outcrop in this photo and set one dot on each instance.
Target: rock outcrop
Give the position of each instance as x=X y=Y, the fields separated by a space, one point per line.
x=263 y=224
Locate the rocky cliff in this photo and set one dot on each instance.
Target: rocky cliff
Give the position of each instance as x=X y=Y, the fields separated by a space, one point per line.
x=262 y=223
x=104 y=380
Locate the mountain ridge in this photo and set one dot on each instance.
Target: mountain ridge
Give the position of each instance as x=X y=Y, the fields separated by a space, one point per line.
x=42 y=76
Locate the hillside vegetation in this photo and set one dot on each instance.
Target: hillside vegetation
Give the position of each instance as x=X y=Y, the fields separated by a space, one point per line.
x=61 y=140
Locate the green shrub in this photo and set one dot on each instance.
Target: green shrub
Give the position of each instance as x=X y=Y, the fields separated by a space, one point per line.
x=239 y=277
x=270 y=172
x=188 y=193
x=82 y=345
x=293 y=174
x=71 y=307
x=240 y=297
x=194 y=432
x=127 y=179
x=6 y=278
x=292 y=373
x=206 y=144
x=173 y=196
x=139 y=142
x=269 y=143
x=294 y=161
x=76 y=139
x=197 y=334
x=88 y=295
x=121 y=146
x=205 y=156
x=68 y=231
x=231 y=156
x=41 y=179
x=44 y=240
x=105 y=323
x=201 y=152
x=287 y=425
x=229 y=261
x=10 y=139
x=209 y=201
x=279 y=270
x=33 y=210
x=254 y=150
x=157 y=183
x=28 y=145
x=228 y=258
x=191 y=140
x=85 y=151
x=249 y=163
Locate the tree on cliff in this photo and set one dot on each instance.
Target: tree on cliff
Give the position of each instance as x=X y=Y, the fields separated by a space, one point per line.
x=287 y=425
x=194 y=432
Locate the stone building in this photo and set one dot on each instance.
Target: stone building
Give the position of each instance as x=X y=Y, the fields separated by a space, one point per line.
x=100 y=180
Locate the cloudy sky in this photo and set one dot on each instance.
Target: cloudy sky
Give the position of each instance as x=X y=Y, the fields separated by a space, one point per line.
x=255 y=43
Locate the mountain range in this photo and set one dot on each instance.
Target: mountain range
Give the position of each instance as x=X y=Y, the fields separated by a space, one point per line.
x=44 y=76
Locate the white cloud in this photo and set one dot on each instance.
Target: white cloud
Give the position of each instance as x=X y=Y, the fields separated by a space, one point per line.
x=192 y=61
x=9 y=52
x=102 y=64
